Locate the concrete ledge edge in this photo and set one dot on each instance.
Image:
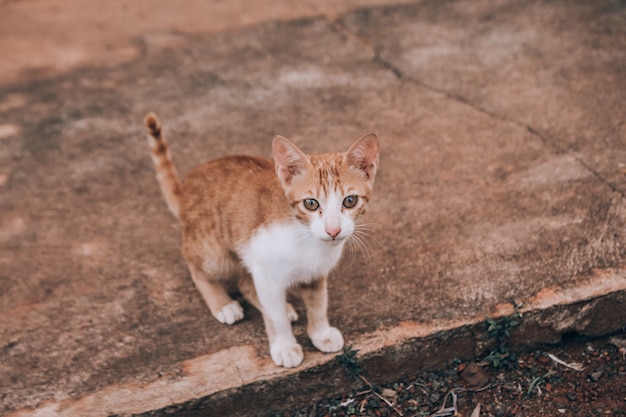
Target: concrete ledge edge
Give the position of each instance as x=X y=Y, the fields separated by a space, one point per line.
x=209 y=386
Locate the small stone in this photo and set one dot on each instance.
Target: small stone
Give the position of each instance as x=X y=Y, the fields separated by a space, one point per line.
x=595 y=376
x=509 y=386
x=499 y=410
x=474 y=375
x=571 y=396
x=544 y=360
x=389 y=394
x=619 y=342
x=434 y=397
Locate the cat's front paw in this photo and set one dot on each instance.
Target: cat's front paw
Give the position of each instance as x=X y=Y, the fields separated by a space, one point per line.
x=288 y=356
x=230 y=313
x=327 y=340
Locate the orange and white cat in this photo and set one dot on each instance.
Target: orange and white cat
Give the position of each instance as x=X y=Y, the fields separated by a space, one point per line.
x=277 y=225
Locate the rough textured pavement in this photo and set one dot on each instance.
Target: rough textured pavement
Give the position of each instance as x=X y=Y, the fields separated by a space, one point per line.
x=503 y=174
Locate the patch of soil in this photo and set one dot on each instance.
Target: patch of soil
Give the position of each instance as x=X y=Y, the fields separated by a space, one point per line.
x=533 y=384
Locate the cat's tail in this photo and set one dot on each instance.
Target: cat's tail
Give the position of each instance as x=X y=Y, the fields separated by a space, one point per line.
x=166 y=172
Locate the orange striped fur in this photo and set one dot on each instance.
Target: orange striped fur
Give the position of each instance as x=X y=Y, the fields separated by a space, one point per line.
x=273 y=225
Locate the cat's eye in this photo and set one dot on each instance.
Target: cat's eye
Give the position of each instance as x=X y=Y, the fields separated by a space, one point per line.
x=350 y=201
x=311 y=204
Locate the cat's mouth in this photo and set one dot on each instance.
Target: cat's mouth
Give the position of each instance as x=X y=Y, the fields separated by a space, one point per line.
x=333 y=241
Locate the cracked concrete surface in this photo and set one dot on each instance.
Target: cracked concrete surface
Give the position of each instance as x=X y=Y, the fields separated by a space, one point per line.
x=502 y=179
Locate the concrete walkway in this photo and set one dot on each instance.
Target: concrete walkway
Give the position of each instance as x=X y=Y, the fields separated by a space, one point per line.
x=502 y=181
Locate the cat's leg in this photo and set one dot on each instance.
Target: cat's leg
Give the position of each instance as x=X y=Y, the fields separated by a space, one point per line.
x=246 y=286
x=207 y=265
x=284 y=349
x=223 y=308
x=324 y=337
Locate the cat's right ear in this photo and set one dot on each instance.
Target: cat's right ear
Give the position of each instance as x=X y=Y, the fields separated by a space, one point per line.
x=363 y=155
x=289 y=161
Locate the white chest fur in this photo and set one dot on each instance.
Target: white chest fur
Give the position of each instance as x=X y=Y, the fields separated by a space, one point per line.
x=287 y=254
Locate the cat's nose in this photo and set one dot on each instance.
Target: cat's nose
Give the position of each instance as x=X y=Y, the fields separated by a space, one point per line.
x=333 y=232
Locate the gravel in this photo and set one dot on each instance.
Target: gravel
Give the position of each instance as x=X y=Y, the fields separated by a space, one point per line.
x=532 y=385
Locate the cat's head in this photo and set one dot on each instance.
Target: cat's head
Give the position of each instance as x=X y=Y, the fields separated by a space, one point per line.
x=330 y=191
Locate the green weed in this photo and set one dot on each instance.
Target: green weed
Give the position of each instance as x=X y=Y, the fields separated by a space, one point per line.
x=500 y=329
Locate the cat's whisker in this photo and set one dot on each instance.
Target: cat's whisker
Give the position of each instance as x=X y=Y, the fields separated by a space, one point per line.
x=369 y=235
x=352 y=249
x=370 y=225
x=369 y=230
x=358 y=243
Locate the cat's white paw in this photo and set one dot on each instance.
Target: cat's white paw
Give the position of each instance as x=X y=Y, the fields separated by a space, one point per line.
x=327 y=340
x=291 y=313
x=230 y=313
x=288 y=356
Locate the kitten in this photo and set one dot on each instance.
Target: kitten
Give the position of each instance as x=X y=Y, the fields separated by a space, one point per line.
x=285 y=222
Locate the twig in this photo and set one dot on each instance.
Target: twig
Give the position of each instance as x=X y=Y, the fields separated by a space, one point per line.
x=420 y=386
x=388 y=403
x=482 y=389
x=346 y=402
x=574 y=365
x=448 y=411
x=363 y=405
x=380 y=396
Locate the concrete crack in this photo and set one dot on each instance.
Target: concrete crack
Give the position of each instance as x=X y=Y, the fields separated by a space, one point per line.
x=388 y=66
x=581 y=161
x=377 y=58
x=558 y=150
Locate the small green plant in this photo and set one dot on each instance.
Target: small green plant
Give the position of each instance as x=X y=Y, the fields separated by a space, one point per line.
x=500 y=357
x=536 y=383
x=500 y=329
x=348 y=360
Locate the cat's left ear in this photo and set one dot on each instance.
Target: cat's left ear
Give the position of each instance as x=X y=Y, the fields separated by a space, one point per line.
x=289 y=161
x=363 y=155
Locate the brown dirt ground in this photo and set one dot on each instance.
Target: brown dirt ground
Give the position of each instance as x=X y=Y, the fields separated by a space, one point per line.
x=533 y=386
